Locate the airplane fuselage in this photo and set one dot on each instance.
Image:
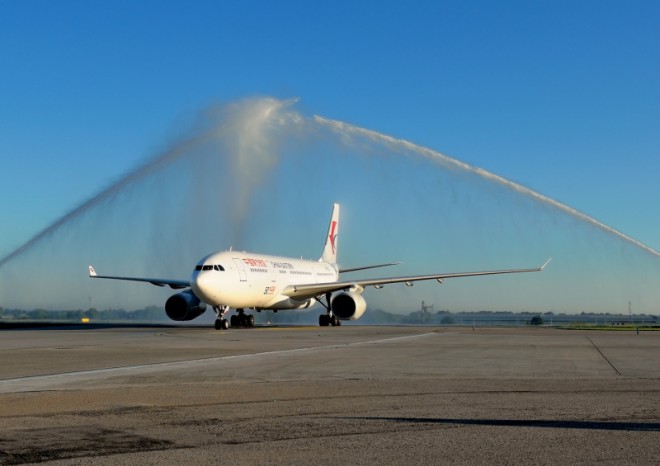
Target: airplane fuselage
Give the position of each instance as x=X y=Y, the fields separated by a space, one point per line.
x=247 y=280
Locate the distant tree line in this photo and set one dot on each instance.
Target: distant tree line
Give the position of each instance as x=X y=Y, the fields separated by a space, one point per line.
x=147 y=314
x=310 y=317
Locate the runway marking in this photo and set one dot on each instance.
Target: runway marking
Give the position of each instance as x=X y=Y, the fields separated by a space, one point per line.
x=604 y=357
x=40 y=382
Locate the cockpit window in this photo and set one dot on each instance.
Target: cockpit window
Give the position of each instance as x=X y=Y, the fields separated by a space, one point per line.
x=218 y=268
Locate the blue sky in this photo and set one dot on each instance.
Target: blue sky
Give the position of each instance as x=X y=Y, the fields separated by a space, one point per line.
x=559 y=96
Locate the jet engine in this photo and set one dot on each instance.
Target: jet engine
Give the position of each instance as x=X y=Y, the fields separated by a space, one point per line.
x=348 y=305
x=184 y=306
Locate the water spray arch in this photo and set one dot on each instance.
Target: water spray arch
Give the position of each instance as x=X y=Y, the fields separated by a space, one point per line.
x=257 y=174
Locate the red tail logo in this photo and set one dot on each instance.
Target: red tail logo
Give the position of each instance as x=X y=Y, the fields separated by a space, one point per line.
x=332 y=236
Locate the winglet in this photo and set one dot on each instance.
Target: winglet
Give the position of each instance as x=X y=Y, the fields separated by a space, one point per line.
x=546 y=263
x=92 y=272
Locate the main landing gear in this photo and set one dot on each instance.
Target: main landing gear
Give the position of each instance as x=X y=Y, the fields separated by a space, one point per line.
x=326 y=320
x=241 y=319
x=330 y=318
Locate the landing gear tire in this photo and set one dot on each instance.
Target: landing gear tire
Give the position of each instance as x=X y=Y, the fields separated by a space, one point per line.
x=326 y=320
x=242 y=320
x=221 y=324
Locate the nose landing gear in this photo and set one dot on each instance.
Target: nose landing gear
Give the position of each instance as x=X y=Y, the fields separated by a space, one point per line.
x=220 y=322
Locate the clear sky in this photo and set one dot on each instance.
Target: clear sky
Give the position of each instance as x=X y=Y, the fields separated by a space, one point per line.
x=560 y=96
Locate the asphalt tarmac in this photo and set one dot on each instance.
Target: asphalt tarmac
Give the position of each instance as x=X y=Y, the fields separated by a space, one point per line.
x=331 y=395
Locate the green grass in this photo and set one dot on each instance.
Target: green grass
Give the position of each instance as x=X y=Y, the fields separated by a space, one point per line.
x=611 y=328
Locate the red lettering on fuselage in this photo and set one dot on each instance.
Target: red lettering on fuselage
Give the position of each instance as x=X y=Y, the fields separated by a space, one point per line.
x=255 y=262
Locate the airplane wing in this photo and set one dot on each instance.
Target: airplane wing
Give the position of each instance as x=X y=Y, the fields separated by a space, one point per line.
x=312 y=290
x=174 y=284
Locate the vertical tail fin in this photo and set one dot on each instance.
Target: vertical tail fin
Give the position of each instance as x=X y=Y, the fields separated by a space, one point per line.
x=330 y=249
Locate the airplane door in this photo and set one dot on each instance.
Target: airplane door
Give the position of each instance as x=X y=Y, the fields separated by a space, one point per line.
x=241 y=269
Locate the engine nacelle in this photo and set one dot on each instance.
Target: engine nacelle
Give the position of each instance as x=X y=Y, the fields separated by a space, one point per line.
x=348 y=305
x=184 y=306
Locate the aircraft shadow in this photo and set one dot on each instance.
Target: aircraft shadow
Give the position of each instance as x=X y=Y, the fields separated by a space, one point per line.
x=541 y=423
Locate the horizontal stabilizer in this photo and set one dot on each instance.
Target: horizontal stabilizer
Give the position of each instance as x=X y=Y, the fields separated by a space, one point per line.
x=366 y=267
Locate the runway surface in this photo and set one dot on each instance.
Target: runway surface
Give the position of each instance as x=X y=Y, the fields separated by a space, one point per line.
x=345 y=395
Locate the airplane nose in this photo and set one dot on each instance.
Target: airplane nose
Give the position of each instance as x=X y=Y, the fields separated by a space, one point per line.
x=200 y=285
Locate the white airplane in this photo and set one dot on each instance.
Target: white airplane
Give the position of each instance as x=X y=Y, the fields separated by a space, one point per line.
x=244 y=280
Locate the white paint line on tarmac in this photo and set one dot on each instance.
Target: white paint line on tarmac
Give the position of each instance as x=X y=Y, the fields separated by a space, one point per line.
x=45 y=382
